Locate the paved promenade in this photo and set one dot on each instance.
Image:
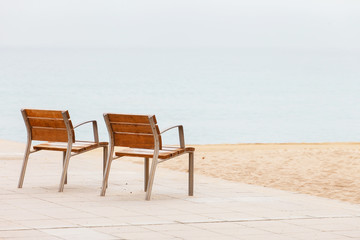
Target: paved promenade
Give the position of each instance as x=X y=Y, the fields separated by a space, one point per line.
x=219 y=210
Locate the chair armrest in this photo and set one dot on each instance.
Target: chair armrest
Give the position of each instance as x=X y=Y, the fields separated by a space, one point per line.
x=181 y=134
x=95 y=129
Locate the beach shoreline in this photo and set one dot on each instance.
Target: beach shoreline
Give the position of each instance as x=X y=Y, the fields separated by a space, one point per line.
x=327 y=170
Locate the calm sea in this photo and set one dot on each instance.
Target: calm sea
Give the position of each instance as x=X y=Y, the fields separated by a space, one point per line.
x=219 y=95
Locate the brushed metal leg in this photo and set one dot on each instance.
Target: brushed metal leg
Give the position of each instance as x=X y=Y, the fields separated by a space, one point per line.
x=65 y=168
x=146 y=173
x=106 y=174
x=64 y=157
x=105 y=156
x=23 y=169
x=191 y=174
x=151 y=178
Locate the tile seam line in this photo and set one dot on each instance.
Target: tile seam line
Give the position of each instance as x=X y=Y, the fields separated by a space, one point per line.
x=172 y=223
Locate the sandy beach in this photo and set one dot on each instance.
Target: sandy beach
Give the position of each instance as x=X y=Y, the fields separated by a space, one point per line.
x=328 y=170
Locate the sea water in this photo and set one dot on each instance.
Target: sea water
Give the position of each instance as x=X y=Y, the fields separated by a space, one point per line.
x=220 y=95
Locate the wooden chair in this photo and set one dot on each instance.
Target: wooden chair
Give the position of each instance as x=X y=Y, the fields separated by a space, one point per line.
x=56 y=128
x=140 y=133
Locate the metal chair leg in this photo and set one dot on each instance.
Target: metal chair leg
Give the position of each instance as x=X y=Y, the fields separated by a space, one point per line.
x=146 y=173
x=106 y=177
x=104 y=159
x=25 y=161
x=151 y=179
x=105 y=156
x=191 y=174
x=65 y=168
x=64 y=156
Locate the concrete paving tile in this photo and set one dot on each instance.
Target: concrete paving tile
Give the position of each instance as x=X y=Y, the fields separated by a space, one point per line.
x=231 y=229
x=30 y=202
x=6 y=207
x=28 y=233
x=189 y=218
x=316 y=236
x=77 y=233
x=61 y=199
x=131 y=208
x=115 y=230
x=22 y=214
x=86 y=205
x=279 y=227
x=171 y=227
x=9 y=194
x=9 y=225
x=328 y=224
x=334 y=227
x=267 y=237
x=48 y=237
x=194 y=210
x=162 y=212
x=273 y=215
x=47 y=223
x=66 y=213
x=217 y=225
x=143 y=220
x=197 y=234
x=231 y=216
x=202 y=208
x=132 y=196
x=143 y=235
x=108 y=211
x=351 y=234
x=92 y=222
x=330 y=213
x=173 y=204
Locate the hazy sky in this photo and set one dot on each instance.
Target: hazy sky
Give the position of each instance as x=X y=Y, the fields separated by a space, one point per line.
x=123 y=23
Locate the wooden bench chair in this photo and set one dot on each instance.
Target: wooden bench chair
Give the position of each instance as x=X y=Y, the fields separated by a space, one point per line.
x=57 y=129
x=141 y=135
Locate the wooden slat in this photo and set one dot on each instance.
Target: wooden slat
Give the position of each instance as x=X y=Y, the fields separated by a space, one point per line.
x=45 y=113
x=50 y=134
x=77 y=147
x=133 y=128
x=166 y=153
x=135 y=140
x=126 y=118
x=47 y=122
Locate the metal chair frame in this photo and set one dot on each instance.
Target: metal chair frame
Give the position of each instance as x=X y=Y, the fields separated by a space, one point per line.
x=149 y=176
x=66 y=153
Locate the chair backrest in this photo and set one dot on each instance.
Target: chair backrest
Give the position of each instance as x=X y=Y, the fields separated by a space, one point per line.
x=134 y=131
x=48 y=125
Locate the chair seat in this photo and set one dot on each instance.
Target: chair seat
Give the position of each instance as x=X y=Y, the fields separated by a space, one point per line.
x=165 y=153
x=77 y=147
